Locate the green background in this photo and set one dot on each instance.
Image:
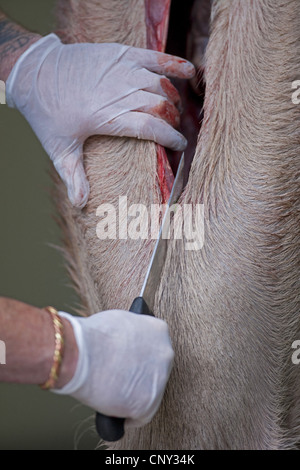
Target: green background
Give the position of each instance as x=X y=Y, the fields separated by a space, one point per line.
x=31 y=270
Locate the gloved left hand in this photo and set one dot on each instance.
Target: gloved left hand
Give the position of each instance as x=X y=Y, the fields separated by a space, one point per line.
x=69 y=92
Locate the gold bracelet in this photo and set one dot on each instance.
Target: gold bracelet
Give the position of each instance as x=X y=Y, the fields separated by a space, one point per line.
x=59 y=349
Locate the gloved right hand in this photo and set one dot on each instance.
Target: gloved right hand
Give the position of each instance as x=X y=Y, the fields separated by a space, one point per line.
x=123 y=365
x=68 y=92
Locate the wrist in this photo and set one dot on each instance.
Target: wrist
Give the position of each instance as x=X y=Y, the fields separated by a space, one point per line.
x=70 y=356
x=21 y=77
x=76 y=374
x=8 y=65
x=14 y=40
x=63 y=355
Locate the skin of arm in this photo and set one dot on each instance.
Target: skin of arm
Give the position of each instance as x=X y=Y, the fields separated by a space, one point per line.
x=14 y=40
x=28 y=333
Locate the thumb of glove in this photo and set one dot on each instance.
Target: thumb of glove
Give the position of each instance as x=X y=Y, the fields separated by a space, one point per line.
x=71 y=170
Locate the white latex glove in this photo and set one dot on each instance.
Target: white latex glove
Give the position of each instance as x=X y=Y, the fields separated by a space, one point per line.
x=69 y=92
x=123 y=365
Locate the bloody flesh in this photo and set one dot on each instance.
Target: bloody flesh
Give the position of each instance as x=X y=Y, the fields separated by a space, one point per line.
x=157 y=17
x=167 y=29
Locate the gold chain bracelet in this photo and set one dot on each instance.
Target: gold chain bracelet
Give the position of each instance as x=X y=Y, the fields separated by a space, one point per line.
x=58 y=351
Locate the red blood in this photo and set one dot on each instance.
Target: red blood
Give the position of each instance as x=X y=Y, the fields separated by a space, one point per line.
x=172 y=66
x=170 y=90
x=157 y=19
x=168 y=112
x=165 y=174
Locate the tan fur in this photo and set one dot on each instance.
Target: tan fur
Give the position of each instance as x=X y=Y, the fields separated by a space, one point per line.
x=232 y=307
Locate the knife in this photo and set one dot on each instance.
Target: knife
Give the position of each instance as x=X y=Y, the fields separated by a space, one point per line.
x=110 y=428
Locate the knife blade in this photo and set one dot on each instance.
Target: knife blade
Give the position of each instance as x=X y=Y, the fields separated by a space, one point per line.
x=158 y=258
x=111 y=428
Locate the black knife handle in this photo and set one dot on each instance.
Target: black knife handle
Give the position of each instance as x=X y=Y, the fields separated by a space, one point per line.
x=139 y=306
x=110 y=428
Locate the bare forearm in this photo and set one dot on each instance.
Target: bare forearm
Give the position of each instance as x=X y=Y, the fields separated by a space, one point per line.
x=28 y=334
x=14 y=40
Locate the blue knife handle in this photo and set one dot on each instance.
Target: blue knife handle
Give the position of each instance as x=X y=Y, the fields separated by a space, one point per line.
x=110 y=428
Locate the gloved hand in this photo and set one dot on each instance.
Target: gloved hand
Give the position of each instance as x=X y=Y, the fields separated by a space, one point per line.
x=69 y=92
x=124 y=363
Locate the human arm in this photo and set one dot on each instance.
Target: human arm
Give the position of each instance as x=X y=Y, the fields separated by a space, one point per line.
x=14 y=40
x=28 y=335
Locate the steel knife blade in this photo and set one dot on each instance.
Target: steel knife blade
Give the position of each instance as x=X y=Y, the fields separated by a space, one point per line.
x=159 y=254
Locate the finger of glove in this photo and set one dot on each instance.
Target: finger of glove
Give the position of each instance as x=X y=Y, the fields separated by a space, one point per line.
x=153 y=104
x=158 y=85
x=143 y=420
x=147 y=127
x=136 y=423
x=164 y=64
x=70 y=169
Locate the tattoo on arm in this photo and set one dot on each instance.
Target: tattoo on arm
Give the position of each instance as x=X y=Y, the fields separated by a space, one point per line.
x=11 y=38
x=7 y=33
x=14 y=40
